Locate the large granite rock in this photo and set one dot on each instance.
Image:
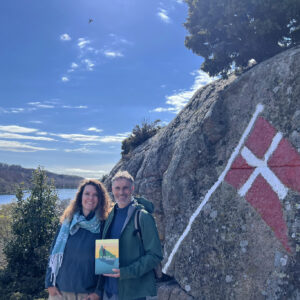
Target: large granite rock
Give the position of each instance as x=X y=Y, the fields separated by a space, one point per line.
x=223 y=161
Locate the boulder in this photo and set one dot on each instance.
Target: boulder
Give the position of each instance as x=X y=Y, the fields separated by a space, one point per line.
x=224 y=176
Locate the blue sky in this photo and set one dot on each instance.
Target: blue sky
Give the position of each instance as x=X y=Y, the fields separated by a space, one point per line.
x=71 y=90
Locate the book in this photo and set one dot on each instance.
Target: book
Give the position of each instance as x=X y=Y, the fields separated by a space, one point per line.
x=106 y=256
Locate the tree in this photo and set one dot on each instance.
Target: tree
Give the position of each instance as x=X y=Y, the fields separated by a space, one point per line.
x=229 y=33
x=139 y=135
x=34 y=222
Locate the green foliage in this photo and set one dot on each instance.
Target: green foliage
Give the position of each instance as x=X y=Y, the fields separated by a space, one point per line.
x=34 y=222
x=139 y=135
x=5 y=228
x=229 y=33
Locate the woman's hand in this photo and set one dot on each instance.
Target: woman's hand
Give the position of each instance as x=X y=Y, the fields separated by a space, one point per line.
x=92 y=296
x=54 y=291
x=116 y=275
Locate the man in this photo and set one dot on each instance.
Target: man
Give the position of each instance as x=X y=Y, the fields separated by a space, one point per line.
x=135 y=279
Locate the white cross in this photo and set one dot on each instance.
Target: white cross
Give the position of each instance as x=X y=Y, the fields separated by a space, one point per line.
x=261 y=167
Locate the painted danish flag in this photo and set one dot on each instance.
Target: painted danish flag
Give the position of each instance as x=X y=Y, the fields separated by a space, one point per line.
x=263 y=171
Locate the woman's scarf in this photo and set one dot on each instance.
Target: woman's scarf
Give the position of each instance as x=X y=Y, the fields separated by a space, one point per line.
x=67 y=227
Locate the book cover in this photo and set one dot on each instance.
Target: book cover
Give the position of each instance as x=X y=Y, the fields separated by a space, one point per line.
x=106 y=256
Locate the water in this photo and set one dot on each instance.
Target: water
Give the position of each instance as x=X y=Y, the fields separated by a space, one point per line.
x=62 y=194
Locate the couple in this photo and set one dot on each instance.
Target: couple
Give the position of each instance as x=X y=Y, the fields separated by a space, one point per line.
x=71 y=271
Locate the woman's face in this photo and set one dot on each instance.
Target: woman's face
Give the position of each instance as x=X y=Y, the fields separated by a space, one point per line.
x=89 y=199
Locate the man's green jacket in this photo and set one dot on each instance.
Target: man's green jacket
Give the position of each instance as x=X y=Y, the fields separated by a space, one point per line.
x=137 y=277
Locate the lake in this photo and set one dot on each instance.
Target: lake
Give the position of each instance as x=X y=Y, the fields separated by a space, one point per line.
x=62 y=194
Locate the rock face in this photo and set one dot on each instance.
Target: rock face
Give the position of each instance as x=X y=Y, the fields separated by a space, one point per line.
x=224 y=176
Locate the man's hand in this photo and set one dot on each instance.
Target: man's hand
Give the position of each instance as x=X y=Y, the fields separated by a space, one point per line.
x=54 y=291
x=116 y=275
x=93 y=296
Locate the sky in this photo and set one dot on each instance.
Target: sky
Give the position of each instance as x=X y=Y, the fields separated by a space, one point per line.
x=76 y=76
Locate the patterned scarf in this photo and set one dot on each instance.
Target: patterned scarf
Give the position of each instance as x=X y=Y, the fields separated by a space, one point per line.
x=67 y=227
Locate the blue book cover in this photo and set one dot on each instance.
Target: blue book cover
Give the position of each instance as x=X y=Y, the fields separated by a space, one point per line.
x=106 y=256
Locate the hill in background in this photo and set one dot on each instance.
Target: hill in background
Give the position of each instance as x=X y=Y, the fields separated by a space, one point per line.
x=12 y=175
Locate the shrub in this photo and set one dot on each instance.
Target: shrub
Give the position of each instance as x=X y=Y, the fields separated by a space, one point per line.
x=139 y=135
x=34 y=222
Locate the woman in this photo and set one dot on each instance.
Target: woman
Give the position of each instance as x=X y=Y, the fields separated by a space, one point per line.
x=71 y=271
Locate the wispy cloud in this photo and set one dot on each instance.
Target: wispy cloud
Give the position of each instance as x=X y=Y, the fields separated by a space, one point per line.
x=36 y=122
x=76 y=107
x=20 y=147
x=65 y=37
x=82 y=42
x=80 y=150
x=112 y=54
x=40 y=105
x=179 y=99
x=89 y=64
x=163 y=15
x=119 y=137
x=6 y=135
x=17 y=129
x=65 y=79
x=94 y=129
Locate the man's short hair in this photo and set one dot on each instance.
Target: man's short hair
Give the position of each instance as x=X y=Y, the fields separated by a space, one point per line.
x=123 y=175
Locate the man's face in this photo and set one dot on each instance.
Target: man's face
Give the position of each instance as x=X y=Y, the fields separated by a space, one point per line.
x=122 y=190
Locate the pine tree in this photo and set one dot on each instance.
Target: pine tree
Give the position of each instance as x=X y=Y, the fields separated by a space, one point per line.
x=33 y=227
x=229 y=33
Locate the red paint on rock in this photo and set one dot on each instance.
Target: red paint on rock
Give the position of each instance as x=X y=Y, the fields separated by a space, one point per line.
x=285 y=163
x=261 y=137
x=266 y=202
x=239 y=173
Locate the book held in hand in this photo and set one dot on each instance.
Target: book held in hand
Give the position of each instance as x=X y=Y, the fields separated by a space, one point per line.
x=106 y=256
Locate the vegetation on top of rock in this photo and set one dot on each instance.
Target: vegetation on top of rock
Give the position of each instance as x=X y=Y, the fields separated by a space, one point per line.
x=12 y=175
x=33 y=225
x=139 y=135
x=228 y=34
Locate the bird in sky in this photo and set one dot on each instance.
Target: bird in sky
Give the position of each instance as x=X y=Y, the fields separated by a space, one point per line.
x=90 y=21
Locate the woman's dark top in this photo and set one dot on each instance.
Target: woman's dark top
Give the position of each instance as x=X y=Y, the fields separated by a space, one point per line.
x=77 y=272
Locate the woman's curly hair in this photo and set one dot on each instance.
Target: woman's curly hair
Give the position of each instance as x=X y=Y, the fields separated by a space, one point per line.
x=104 y=202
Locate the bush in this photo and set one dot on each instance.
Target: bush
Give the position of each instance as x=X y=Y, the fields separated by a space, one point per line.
x=139 y=135
x=34 y=222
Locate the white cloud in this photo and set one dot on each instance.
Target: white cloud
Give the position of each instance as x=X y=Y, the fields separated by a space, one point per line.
x=20 y=147
x=80 y=150
x=65 y=79
x=94 y=129
x=119 y=137
x=17 y=110
x=77 y=107
x=6 y=135
x=89 y=64
x=36 y=122
x=74 y=65
x=82 y=42
x=17 y=129
x=112 y=54
x=179 y=99
x=40 y=105
x=41 y=133
x=65 y=37
x=179 y=1
x=163 y=15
